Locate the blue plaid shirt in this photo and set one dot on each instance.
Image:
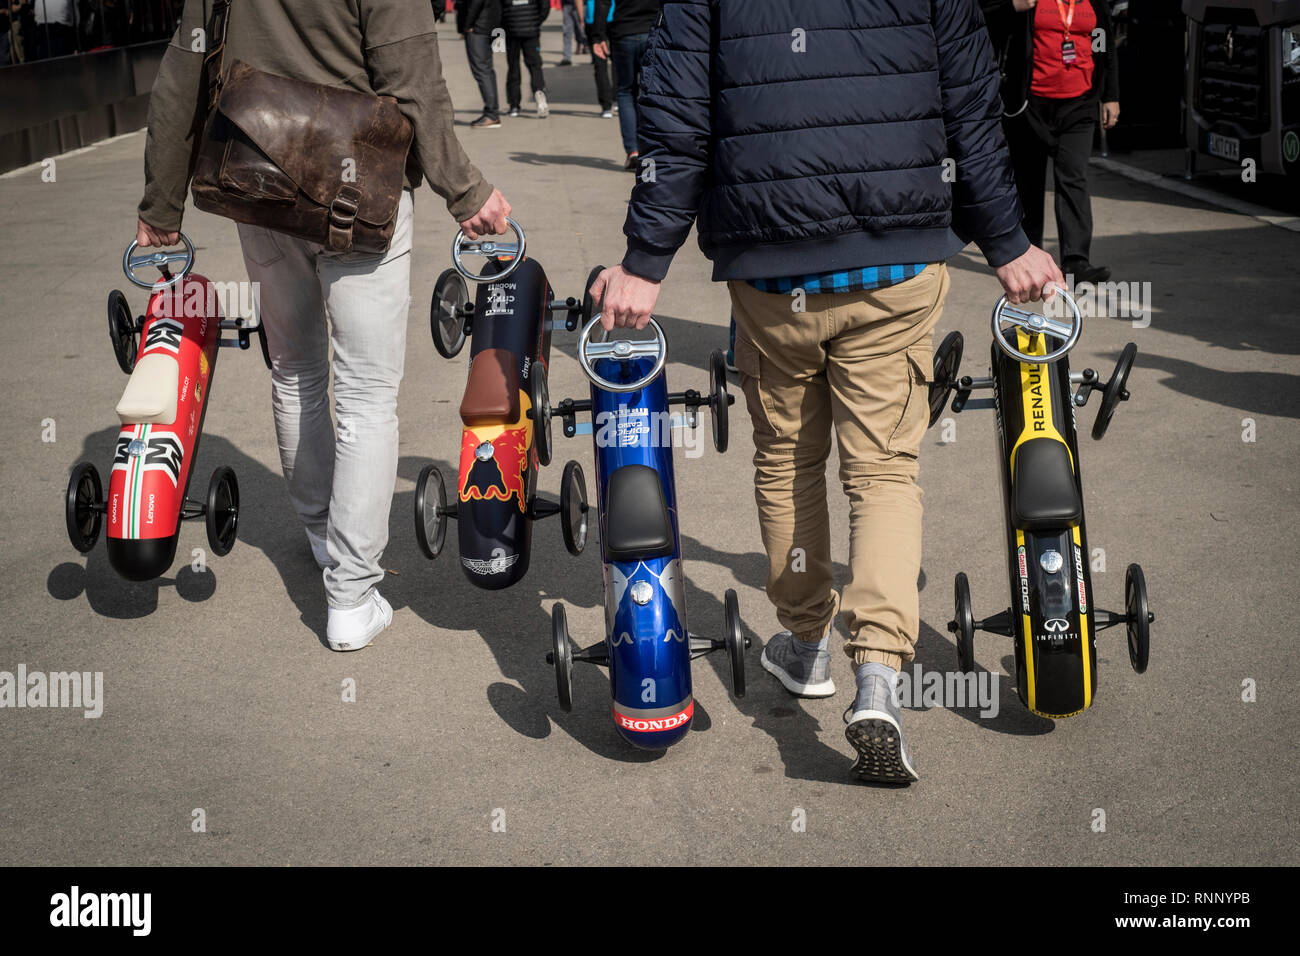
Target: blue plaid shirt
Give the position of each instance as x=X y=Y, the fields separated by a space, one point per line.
x=847 y=280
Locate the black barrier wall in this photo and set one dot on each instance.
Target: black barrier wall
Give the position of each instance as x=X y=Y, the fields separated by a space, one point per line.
x=50 y=106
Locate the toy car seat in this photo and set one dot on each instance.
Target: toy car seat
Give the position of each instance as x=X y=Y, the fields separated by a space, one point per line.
x=1044 y=494
x=151 y=393
x=638 y=525
x=492 y=392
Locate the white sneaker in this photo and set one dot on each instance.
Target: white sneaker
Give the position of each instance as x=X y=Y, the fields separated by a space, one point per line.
x=350 y=629
x=543 y=107
x=319 y=549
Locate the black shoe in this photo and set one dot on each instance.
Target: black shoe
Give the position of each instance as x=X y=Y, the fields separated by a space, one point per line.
x=566 y=63
x=486 y=122
x=514 y=111
x=1084 y=271
x=633 y=161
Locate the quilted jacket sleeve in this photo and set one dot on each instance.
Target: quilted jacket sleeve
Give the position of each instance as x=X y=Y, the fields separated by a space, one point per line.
x=986 y=209
x=673 y=131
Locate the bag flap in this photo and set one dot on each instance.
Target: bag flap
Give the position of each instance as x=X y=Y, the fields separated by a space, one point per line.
x=322 y=136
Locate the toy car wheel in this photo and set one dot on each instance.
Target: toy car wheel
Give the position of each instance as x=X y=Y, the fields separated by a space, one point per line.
x=1115 y=392
x=222 y=514
x=947 y=362
x=562 y=657
x=718 y=399
x=447 y=313
x=540 y=396
x=430 y=511
x=85 y=514
x=963 y=624
x=121 y=331
x=735 y=640
x=573 y=508
x=1139 y=617
x=588 y=303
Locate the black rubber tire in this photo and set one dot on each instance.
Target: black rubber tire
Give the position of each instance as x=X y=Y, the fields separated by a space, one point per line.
x=562 y=657
x=718 y=399
x=947 y=363
x=85 y=518
x=1138 y=610
x=573 y=508
x=735 y=639
x=1115 y=391
x=122 y=331
x=540 y=395
x=430 y=511
x=589 y=304
x=963 y=624
x=446 y=323
x=222 y=513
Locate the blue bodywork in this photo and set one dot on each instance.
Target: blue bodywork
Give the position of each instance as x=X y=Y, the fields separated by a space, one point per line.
x=649 y=645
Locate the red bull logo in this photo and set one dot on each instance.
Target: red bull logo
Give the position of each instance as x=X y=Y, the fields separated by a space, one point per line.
x=494 y=460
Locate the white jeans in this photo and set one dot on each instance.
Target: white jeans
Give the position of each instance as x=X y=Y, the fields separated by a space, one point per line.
x=340 y=484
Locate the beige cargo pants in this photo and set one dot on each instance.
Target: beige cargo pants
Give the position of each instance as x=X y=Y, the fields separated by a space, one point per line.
x=857 y=364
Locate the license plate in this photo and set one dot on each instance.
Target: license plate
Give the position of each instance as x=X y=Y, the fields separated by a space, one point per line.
x=1225 y=147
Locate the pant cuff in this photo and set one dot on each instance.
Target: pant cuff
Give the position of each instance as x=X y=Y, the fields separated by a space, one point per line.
x=864 y=655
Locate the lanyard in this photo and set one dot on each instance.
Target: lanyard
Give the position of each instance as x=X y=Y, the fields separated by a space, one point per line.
x=1060 y=8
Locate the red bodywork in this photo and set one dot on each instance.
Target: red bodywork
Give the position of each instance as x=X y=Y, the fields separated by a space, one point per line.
x=146 y=491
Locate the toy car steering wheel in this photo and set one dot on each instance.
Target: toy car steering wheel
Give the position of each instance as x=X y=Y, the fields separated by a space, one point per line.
x=160 y=260
x=621 y=350
x=489 y=249
x=1035 y=324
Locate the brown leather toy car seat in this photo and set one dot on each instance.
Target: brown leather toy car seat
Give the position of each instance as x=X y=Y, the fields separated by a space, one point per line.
x=492 y=392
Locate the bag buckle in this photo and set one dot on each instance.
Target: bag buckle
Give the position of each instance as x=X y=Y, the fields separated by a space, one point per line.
x=342 y=214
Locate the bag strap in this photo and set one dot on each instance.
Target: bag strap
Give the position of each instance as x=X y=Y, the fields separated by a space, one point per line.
x=213 y=63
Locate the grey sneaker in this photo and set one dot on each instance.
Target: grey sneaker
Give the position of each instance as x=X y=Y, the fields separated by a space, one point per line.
x=876 y=732
x=801 y=677
x=543 y=106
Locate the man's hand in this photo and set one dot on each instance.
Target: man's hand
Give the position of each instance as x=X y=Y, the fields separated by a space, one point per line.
x=600 y=50
x=1109 y=114
x=625 y=301
x=490 y=220
x=147 y=235
x=1023 y=6
x=1027 y=278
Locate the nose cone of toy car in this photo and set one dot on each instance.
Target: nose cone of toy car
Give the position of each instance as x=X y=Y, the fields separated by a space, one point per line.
x=654 y=730
x=141 y=559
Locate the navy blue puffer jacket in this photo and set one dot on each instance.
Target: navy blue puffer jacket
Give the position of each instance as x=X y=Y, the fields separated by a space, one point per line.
x=815 y=136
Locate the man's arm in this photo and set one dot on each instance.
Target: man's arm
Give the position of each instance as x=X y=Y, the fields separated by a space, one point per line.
x=598 y=24
x=986 y=206
x=175 y=104
x=403 y=62
x=676 y=141
x=673 y=128
x=986 y=209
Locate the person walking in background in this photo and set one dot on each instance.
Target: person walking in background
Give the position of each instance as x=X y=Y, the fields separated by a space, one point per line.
x=475 y=21
x=622 y=31
x=600 y=62
x=313 y=302
x=1057 y=66
x=523 y=22
x=820 y=171
x=574 y=35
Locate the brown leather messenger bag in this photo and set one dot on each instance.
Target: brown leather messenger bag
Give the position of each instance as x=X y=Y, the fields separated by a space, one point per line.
x=317 y=162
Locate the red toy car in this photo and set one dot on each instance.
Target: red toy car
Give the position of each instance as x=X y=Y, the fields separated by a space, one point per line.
x=161 y=412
